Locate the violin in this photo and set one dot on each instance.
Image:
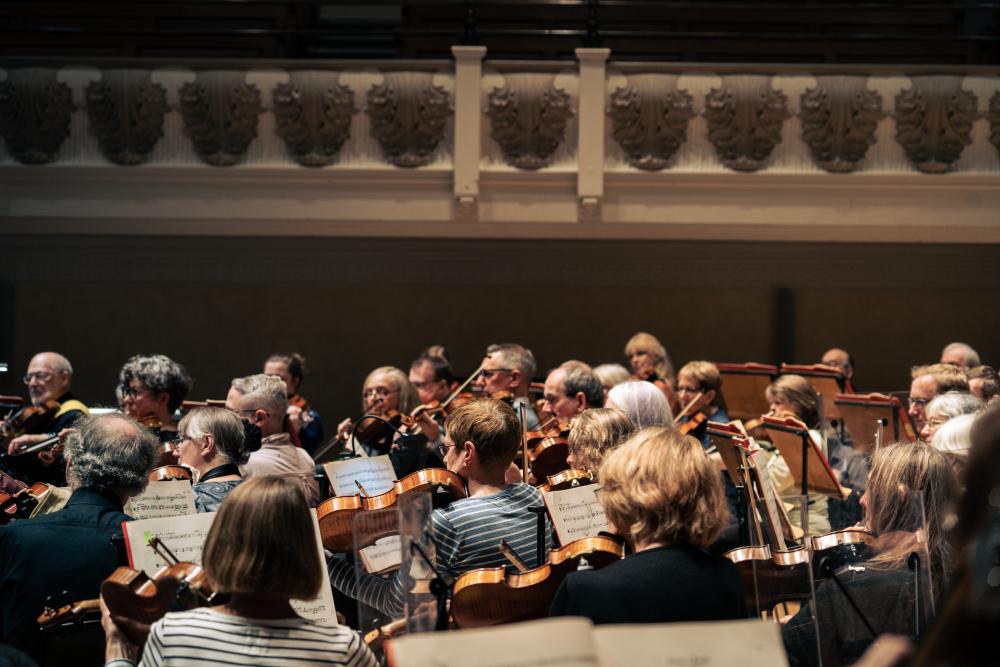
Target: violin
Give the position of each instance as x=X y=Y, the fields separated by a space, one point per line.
x=490 y=596
x=29 y=418
x=336 y=515
x=695 y=416
x=567 y=479
x=169 y=472
x=20 y=503
x=547 y=449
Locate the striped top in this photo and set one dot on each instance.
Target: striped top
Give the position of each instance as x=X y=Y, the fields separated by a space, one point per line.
x=466 y=536
x=207 y=637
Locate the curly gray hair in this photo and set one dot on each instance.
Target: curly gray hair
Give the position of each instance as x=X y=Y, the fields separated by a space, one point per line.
x=111 y=451
x=160 y=374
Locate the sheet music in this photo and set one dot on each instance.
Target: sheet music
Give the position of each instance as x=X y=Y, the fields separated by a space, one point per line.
x=375 y=474
x=576 y=513
x=384 y=555
x=173 y=497
x=185 y=537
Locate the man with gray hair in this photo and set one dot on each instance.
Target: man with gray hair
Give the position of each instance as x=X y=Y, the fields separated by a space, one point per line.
x=262 y=401
x=108 y=460
x=960 y=354
x=572 y=388
x=510 y=367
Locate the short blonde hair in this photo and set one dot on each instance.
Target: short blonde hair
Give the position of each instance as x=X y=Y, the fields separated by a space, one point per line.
x=946 y=377
x=263 y=541
x=660 y=487
x=707 y=375
x=647 y=342
x=269 y=390
x=491 y=425
x=595 y=433
x=408 y=398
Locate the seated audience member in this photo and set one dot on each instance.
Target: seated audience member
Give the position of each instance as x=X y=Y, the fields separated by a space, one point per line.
x=701 y=377
x=261 y=400
x=108 y=461
x=660 y=493
x=152 y=387
x=882 y=586
x=983 y=382
x=211 y=440
x=954 y=438
x=947 y=406
x=304 y=423
x=929 y=381
x=570 y=389
x=649 y=361
x=509 y=367
x=481 y=440
x=387 y=389
x=262 y=552
x=842 y=361
x=960 y=354
x=642 y=406
x=594 y=435
x=610 y=375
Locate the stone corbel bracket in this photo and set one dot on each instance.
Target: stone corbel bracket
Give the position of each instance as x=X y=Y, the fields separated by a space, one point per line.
x=650 y=116
x=220 y=111
x=125 y=110
x=528 y=120
x=313 y=113
x=35 y=113
x=934 y=119
x=840 y=116
x=745 y=118
x=409 y=117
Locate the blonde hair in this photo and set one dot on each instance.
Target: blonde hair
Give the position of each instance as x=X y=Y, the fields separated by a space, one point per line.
x=408 y=398
x=595 y=433
x=266 y=389
x=800 y=393
x=491 y=425
x=263 y=542
x=946 y=377
x=660 y=487
x=707 y=375
x=648 y=343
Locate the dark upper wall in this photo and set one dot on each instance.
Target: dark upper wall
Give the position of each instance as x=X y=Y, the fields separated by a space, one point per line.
x=220 y=306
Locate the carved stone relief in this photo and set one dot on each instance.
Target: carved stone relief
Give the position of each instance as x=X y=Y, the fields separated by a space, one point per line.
x=313 y=113
x=126 y=109
x=839 y=118
x=35 y=112
x=408 y=116
x=745 y=117
x=994 y=117
x=650 y=118
x=220 y=113
x=528 y=120
x=934 y=120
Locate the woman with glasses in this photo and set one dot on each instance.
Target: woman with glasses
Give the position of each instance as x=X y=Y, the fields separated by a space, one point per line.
x=211 y=441
x=151 y=387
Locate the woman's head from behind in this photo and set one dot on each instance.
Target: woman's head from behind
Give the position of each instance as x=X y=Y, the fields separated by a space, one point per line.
x=263 y=542
x=660 y=488
x=594 y=434
x=643 y=403
x=794 y=395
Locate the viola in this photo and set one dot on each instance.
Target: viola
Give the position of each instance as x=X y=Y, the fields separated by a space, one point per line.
x=336 y=515
x=169 y=472
x=491 y=596
x=567 y=479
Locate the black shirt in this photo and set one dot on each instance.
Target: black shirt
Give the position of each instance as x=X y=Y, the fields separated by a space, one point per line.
x=671 y=583
x=70 y=550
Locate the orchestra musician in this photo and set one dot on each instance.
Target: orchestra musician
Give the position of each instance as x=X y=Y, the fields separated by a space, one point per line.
x=261 y=551
x=649 y=361
x=108 y=460
x=984 y=382
x=304 y=423
x=594 y=435
x=509 y=367
x=642 y=402
x=661 y=493
x=433 y=378
x=945 y=407
x=212 y=442
x=48 y=378
x=481 y=439
x=610 y=376
x=954 y=438
x=843 y=362
x=701 y=377
x=152 y=387
x=570 y=389
x=883 y=586
x=961 y=355
x=262 y=401
x=929 y=381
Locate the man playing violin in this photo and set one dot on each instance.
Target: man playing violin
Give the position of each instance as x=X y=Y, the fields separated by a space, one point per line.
x=432 y=377
x=48 y=379
x=572 y=388
x=509 y=367
x=481 y=440
x=929 y=381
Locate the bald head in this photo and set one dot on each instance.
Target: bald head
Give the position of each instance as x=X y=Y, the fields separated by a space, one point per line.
x=839 y=359
x=49 y=376
x=959 y=354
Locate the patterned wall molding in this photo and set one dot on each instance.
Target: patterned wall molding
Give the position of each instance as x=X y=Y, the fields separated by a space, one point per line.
x=840 y=116
x=35 y=112
x=313 y=112
x=993 y=115
x=409 y=115
x=934 y=120
x=745 y=118
x=126 y=111
x=650 y=119
x=528 y=118
x=220 y=112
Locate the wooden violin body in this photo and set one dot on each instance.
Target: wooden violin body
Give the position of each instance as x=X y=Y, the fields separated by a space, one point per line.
x=548 y=448
x=169 y=472
x=30 y=418
x=336 y=515
x=20 y=504
x=84 y=612
x=491 y=596
x=567 y=479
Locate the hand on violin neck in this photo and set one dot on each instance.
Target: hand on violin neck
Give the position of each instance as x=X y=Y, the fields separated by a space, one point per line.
x=116 y=632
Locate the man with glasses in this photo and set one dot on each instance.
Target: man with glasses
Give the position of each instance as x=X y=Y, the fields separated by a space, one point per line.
x=48 y=379
x=929 y=381
x=262 y=401
x=572 y=388
x=509 y=367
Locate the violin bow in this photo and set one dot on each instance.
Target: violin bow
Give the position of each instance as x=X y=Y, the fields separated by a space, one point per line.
x=462 y=387
x=524 y=442
x=511 y=555
x=684 y=413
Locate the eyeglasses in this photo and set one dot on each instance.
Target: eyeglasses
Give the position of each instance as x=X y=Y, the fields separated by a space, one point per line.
x=250 y=410
x=178 y=441
x=689 y=390
x=380 y=392
x=443 y=449
x=41 y=376
x=486 y=373
x=919 y=402
x=132 y=392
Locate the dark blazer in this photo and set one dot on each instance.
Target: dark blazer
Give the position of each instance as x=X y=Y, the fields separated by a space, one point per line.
x=671 y=583
x=71 y=550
